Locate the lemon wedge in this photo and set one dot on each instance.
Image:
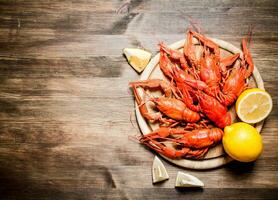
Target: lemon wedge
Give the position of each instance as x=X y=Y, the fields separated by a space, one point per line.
x=253 y=105
x=159 y=172
x=137 y=58
x=187 y=180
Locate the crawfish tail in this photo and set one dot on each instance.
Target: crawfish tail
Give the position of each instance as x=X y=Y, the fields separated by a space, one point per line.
x=214 y=110
x=200 y=138
x=216 y=134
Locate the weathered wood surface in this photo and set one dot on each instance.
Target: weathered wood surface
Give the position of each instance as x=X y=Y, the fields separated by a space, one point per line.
x=65 y=106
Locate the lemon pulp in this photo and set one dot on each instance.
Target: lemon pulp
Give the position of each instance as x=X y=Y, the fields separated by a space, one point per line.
x=137 y=58
x=253 y=105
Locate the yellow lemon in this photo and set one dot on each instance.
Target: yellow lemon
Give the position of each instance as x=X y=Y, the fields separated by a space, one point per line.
x=253 y=105
x=137 y=58
x=242 y=142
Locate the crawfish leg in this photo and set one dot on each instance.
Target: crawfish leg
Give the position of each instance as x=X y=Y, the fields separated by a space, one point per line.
x=162 y=133
x=182 y=77
x=247 y=59
x=204 y=123
x=166 y=151
x=166 y=65
x=189 y=49
x=187 y=98
x=167 y=88
x=207 y=42
x=226 y=62
x=173 y=153
x=144 y=110
x=175 y=54
x=196 y=153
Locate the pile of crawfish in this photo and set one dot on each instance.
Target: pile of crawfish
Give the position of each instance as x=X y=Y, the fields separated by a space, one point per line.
x=193 y=109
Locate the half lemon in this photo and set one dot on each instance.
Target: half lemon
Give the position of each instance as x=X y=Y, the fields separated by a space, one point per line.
x=253 y=105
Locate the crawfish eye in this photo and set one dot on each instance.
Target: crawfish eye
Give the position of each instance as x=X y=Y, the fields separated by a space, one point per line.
x=178 y=146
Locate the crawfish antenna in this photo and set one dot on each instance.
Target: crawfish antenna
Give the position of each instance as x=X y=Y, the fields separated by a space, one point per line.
x=130 y=119
x=193 y=22
x=146 y=100
x=134 y=138
x=159 y=45
x=249 y=34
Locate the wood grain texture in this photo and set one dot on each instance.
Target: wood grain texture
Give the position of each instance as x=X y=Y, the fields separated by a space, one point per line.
x=67 y=115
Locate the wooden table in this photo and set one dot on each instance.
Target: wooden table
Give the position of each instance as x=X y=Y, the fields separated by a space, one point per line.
x=67 y=115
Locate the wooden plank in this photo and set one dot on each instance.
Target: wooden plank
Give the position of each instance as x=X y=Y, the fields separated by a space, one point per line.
x=30 y=68
x=86 y=46
x=141 y=22
x=69 y=109
x=168 y=5
x=135 y=23
x=40 y=191
x=82 y=132
x=99 y=176
x=93 y=173
x=56 y=6
x=99 y=66
x=136 y=6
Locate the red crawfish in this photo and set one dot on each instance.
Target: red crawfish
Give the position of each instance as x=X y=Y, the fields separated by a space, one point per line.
x=235 y=82
x=190 y=143
x=173 y=108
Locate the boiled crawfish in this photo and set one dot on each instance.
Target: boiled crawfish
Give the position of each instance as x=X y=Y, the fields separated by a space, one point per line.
x=171 y=107
x=196 y=97
x=219 y=114
x=235 y=82
x=190 y=143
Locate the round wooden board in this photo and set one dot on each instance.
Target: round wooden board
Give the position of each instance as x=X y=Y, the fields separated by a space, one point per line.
x=216 y=156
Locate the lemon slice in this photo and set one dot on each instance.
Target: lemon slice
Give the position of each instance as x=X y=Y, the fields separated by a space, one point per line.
x=137 y=58
x=187 y=180
x=159 y=172
x=253 y=105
